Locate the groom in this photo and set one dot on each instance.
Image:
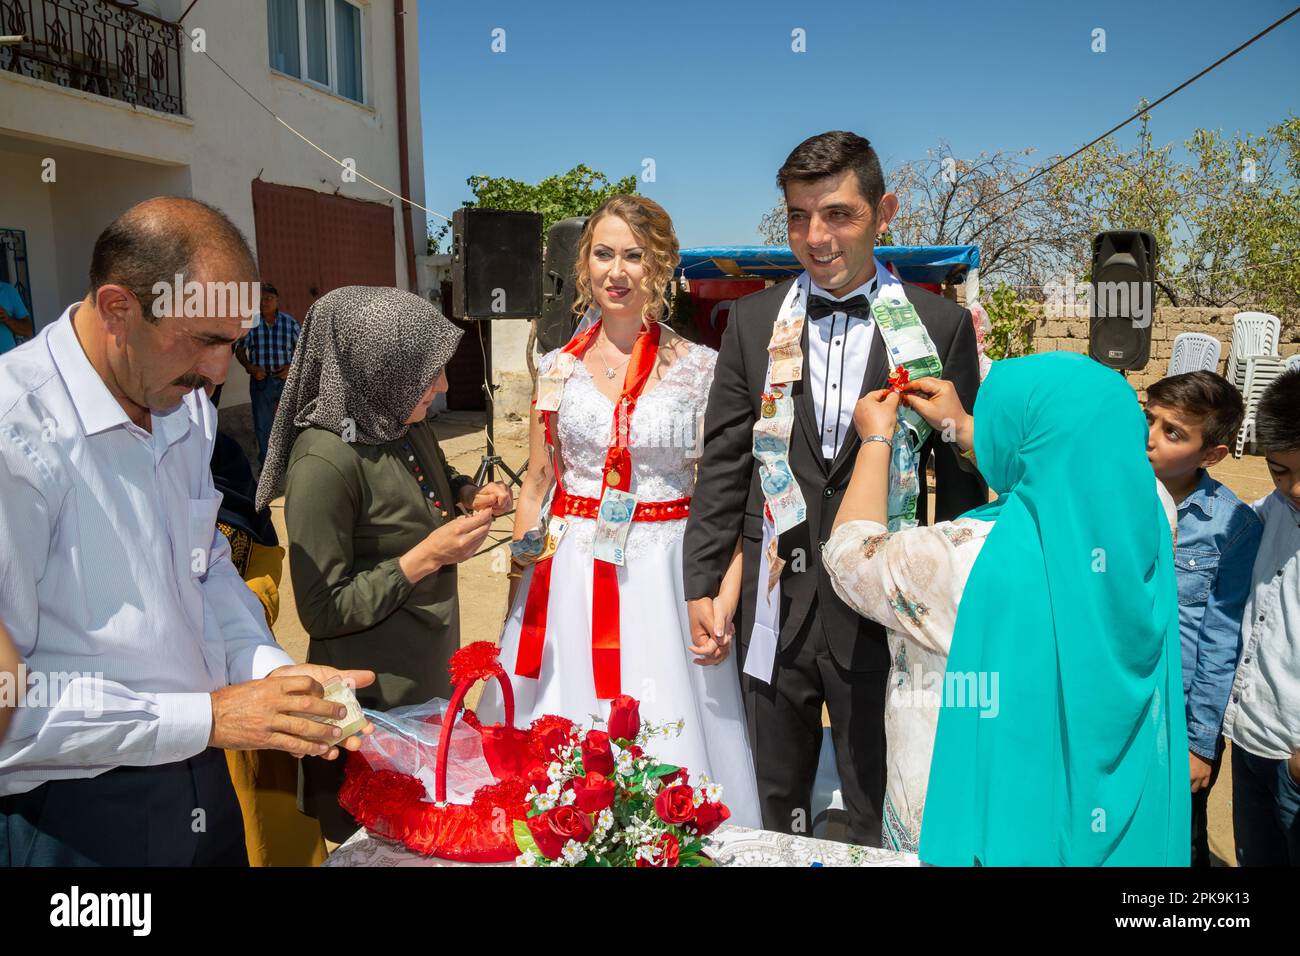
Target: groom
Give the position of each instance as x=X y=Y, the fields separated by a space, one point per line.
x=825 y=653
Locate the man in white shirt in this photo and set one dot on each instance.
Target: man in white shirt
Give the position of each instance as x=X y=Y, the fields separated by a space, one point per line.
x=149 y=652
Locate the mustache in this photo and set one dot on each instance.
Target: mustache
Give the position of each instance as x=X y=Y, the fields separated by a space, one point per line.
x=194 y=381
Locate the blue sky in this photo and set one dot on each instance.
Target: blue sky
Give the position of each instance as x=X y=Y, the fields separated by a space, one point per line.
x=713 y=93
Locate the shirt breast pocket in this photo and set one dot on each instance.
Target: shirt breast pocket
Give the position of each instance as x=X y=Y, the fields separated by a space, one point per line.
x=203 y=524
x=1196 y=571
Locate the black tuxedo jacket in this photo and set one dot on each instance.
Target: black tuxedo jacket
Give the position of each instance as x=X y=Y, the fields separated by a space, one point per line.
x=729 y=502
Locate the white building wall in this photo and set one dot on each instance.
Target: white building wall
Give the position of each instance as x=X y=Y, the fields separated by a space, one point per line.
x=111 y=155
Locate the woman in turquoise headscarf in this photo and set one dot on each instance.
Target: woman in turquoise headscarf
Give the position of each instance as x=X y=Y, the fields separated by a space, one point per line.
x=1065 y=603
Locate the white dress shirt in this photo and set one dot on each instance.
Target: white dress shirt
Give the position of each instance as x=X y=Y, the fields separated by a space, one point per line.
x=838 y=349
x=114 y=582
x=1263 y=715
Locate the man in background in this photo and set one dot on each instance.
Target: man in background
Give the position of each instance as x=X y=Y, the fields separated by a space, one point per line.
x=15 y=320
x=266 y=353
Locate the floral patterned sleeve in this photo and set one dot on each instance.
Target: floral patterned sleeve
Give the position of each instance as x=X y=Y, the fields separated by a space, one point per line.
x=910 y=581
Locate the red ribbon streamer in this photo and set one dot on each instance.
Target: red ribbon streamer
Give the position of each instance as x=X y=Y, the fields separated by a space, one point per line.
x=605 y=627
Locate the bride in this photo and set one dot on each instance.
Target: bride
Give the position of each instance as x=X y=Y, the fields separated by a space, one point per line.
x=601 y=611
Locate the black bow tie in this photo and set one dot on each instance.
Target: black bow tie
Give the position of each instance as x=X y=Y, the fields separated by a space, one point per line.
x=819 y=307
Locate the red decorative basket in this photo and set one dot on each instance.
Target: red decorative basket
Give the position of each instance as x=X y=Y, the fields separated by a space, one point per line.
x=395 y=805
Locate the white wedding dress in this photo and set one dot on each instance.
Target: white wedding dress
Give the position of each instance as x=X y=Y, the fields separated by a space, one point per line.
x=657 y=666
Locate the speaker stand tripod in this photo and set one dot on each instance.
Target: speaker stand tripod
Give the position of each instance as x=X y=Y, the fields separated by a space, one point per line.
x=491 y=460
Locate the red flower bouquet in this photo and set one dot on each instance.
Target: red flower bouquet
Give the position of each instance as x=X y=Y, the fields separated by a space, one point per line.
x=554 y=794
x=606 y=802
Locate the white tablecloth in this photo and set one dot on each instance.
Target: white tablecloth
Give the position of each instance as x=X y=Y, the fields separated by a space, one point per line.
x=732 y=846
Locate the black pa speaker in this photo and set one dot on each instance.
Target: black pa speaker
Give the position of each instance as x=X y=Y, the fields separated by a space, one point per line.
x=496 y=264
x=1123 y=298
x=559 y=272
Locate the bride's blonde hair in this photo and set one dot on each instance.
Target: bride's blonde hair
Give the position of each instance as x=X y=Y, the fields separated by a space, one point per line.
x=653 y=229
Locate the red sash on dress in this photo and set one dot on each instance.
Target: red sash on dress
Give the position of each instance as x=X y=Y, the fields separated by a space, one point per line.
x=617 y=474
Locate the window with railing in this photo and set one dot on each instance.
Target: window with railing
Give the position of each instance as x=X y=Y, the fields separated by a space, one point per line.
x=97 y=46
x=319 y=41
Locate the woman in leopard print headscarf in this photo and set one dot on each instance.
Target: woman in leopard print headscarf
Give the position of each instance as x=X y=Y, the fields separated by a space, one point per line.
x=371 y=505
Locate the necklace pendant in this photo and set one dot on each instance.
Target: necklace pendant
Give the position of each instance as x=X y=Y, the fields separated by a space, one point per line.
x=609 y=373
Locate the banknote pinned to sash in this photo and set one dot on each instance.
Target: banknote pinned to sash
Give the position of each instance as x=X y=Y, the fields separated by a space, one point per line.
x=550 y=385
x=613 y=521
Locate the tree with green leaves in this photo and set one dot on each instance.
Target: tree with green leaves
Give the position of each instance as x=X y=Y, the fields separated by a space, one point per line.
x=579 y=192
x=1226 y=220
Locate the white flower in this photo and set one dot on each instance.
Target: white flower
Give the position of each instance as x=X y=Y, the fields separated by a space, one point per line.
x=574 y=853
x=647 y=852
x=526 y=859
x=544 y=803
x=713 y=791
x=681 y=725
x=626 y=765
x=698 y=798
x=553 y=791
x=555 y=771
x=651 y=786
x=567 y=797
x=604 y=819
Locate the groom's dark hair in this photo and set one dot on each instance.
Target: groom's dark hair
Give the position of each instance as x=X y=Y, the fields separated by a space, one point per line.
x=830 y=154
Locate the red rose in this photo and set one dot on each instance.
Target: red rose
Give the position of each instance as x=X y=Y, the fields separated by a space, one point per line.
x=709 y=816
x=624 y=717
x=597 y=757
x=675 y=804
x=636 y=752
x=548 y=844
x=680 y=775
x=556 y=827
x=537 y=777
x=548 y=734
x=595 y=792
x=669 y=852
x=569 y=824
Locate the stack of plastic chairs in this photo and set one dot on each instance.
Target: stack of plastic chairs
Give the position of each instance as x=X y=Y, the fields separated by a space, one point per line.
x=1293 y=361
x=1253 y=363
x=1194 y=351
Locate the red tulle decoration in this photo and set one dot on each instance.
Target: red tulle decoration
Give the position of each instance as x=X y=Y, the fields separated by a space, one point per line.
x=547 y=733
x=474 y=662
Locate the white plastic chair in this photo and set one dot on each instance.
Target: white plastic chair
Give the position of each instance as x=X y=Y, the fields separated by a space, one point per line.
x=1253 y=333
x=1194 y=351
x=1261 y=370
x=1293 y=361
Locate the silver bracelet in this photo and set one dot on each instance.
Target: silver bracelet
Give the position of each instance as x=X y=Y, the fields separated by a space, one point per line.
x=882 y=438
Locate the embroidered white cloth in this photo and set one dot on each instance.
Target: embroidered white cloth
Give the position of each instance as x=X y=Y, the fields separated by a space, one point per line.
x=733 y=846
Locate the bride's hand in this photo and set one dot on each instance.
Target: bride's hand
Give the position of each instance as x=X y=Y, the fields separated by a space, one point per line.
x=724 y=625
x=703 y=643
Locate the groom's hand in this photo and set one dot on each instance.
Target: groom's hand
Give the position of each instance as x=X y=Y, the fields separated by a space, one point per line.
x=704 y=642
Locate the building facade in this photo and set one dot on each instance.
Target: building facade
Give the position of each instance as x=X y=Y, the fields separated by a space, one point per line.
x=103 y=104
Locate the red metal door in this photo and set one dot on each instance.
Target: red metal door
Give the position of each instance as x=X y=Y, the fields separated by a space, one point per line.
x=310 y=242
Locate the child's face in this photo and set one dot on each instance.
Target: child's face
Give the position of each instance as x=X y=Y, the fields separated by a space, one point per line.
x=1175 y=443
x=1284 y=466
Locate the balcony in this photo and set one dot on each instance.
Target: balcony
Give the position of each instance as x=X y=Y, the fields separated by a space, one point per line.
x=96 y=46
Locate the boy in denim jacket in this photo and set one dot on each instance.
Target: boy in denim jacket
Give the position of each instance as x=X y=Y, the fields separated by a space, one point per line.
x=1192 y=418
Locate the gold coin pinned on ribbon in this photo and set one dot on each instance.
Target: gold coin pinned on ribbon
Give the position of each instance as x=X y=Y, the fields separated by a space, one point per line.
x=613 y=477
x=769 y=408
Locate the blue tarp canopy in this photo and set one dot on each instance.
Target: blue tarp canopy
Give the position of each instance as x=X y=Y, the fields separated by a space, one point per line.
x=914 y=263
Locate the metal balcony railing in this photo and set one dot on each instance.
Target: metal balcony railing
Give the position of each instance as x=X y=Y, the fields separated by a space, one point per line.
x=99 y=46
